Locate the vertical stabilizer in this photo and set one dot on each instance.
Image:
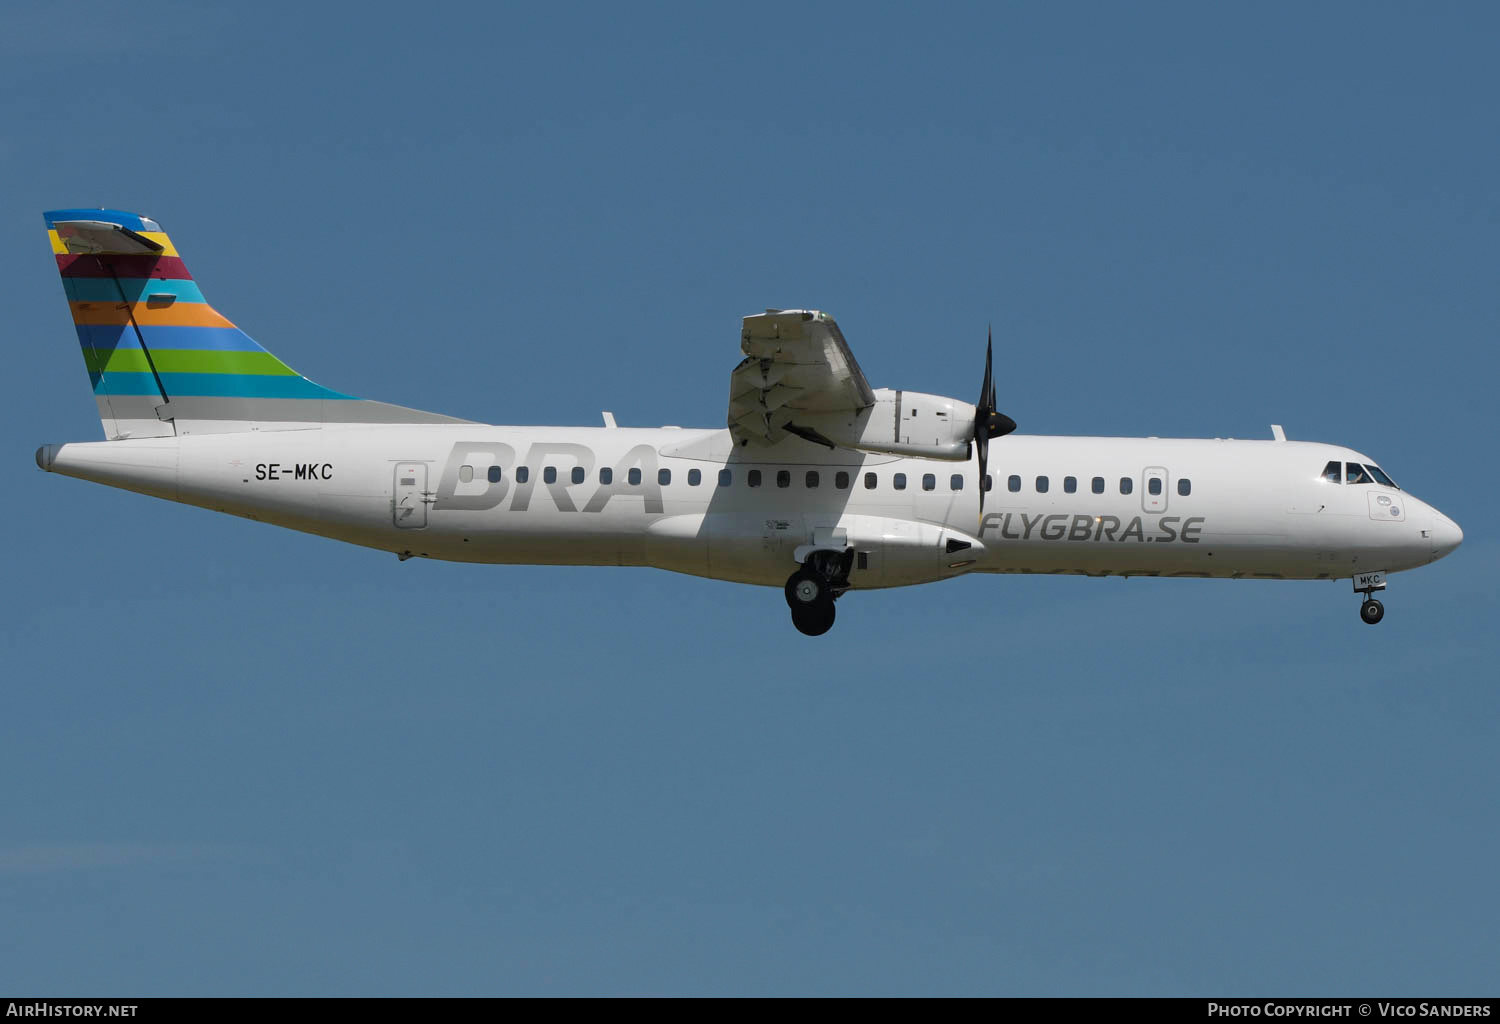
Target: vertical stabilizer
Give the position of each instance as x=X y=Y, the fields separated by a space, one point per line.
x=161 y=360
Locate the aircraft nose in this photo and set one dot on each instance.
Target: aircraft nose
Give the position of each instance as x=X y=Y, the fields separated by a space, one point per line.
x=1445 y=535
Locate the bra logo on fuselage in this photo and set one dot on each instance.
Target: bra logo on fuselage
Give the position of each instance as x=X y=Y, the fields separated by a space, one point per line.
x=480 y=493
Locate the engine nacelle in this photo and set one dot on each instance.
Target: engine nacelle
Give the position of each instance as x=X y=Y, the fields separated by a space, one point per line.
x=906 y=423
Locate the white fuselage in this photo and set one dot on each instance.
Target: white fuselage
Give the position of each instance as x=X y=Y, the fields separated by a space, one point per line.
x=611 y=496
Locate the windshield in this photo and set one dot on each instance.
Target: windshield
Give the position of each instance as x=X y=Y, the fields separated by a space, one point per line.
x=1356 y=473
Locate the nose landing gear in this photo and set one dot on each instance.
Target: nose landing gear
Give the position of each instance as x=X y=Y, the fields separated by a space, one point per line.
x=1369 y=583
x=812 y=589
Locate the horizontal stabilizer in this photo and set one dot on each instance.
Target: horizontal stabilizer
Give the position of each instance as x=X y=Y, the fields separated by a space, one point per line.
x=95 y=237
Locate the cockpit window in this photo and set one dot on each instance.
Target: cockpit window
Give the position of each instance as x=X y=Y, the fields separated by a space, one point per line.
x=1333 y=473
x=1355 y=474
x=1379 y=474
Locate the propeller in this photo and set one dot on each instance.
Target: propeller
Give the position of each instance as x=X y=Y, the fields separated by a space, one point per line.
x=988 y=422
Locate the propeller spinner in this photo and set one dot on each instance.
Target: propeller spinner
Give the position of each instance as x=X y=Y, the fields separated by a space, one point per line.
x=988 y=421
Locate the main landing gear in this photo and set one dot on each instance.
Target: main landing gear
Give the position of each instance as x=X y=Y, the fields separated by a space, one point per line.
x=1368 y=583
x=812 y=589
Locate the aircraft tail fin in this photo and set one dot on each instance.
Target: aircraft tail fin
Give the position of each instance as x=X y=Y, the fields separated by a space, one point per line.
x=161 y=360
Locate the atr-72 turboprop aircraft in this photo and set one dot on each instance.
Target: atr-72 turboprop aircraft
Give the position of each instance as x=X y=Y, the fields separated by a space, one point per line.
x=818 y=484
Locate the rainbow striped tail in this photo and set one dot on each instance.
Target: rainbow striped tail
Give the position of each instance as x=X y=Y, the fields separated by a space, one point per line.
x=162 y=360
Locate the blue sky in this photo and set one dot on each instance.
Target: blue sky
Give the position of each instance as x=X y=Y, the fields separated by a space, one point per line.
x=238 y=760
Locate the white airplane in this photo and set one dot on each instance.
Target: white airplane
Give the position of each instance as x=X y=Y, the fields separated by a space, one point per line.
x=818 y=484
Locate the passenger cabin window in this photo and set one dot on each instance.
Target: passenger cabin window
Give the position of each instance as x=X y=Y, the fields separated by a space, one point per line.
x=549 y=474
x=841 y=481
x=1070 y=484
x=522 y=474
x=753 y=478
x=956 y=481
x=577 y=474
x=1098 y=485
x=929 y=482
x=989 y=483
x=465 y=474
x=1355 y=474
x=1153 y=485
x=694 y=478
x=606 y=475
x=1184 y=486
x=634 y=476
x=898 y=481
x=1333 y=473
x=812 y=478
x=1126 y=485
x=783 y=478
x=1013 y=483
x=1041 y=485
x=664 y=476
x=726 y=477
x=870 y=481
x=494 y=474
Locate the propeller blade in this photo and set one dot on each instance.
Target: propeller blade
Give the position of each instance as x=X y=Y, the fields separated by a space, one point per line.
x=988 y=421
x=982 y=413
x=987 y=390
x=982 y=443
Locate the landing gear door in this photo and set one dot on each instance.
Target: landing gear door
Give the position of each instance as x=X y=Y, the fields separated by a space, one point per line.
x=1154 y=489
x=411 y=496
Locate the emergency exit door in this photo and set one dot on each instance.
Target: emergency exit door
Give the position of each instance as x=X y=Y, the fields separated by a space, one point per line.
x=1154 y=489
x=410 y=505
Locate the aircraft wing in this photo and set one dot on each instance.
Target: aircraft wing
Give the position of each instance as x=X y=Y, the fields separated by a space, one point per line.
x=796 y=362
